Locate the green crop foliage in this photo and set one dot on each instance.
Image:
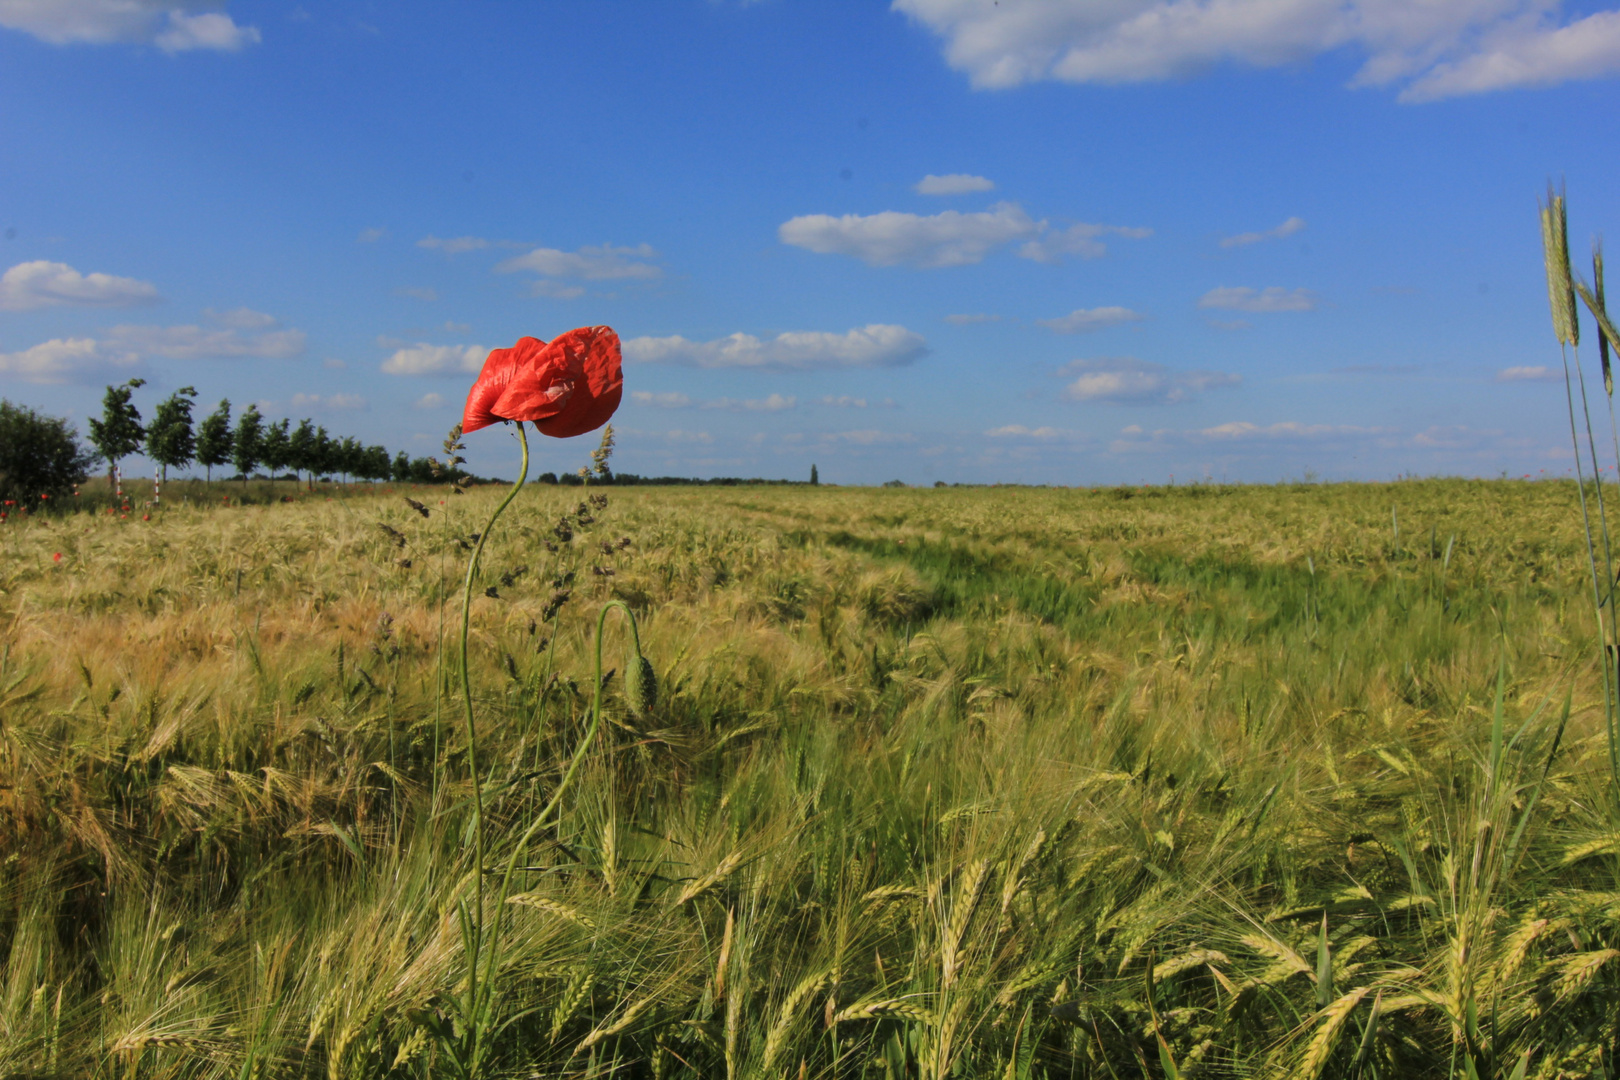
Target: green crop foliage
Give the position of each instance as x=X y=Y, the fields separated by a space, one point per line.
x=967 y=782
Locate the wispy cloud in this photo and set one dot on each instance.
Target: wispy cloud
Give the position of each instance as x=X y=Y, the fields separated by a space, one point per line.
x=1082 y=319
x=877 y=345
x=328 y=403
x=238 y=335
x=953 y=184
x=1287 y=228
x=454 y=246
x=1081 y=240
x=1269 y=300
x=604 y=263
x=1535 y=373
x=371 y=236
x=66 y=360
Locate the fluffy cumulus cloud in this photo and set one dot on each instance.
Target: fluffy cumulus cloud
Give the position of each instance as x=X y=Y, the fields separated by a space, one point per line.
x=605 y=263
x=871 y=346
x=1082 y=319
x=953 y=184
x=1128 y=381
x=950 y=238
x=424 y=359
x=172 y=26
x=240 y=334
x=41 y=284
x=1432 y=50
x=1262 y=301
x=66 y=360
x=1287 y=228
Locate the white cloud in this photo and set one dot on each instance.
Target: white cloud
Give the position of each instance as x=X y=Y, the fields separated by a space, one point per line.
x=424 y=359
x=660 y=401
x=950 y=238
x=1128 y=381
x=773 y=403
x=1019 y=431
x=556 y=290
x=371 y=236
x=876 y=345
x=455 y=246
x=1436 y=49
x=953 y=184
x=210 y=30
x=240 y=319
x=1536 y=373
x=1079 y=240
x=452 y=327
x=62 y=360
x=334 y=363
x=1287 y=228
x=843 y=401
x=428 y=401
x=1241 y=433
x=604 y=263
x=969 y=320
x=329 y=403
x=197 y=343
x=164 y=23
x=1090 y=319
x=416 y=293
x=867 y=437
x=1273 y=299
x=40 y=284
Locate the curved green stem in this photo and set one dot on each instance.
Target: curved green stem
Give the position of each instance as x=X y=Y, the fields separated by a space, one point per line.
x=574 y=763
x=472 y=733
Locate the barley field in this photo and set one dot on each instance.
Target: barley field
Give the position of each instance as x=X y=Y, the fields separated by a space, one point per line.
x=1292 y=781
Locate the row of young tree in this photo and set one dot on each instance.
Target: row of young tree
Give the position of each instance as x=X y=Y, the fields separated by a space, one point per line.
x=172 y=440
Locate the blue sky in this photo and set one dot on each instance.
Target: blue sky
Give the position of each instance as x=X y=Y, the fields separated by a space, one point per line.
x=1040 y=241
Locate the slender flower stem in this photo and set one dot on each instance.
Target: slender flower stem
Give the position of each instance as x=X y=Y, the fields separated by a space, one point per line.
x=472 y=733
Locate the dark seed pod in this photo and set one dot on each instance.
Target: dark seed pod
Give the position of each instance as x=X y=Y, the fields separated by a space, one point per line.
x=640 y=687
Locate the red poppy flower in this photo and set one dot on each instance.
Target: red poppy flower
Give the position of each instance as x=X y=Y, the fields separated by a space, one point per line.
x=567 y=387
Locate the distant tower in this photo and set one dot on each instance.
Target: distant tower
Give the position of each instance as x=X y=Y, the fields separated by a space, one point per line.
x=815 y=478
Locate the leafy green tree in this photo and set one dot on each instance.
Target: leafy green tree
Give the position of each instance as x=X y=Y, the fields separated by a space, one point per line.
x=118 y=433
x=169 y=438
x=39 y=455
x=324 y=454
x=301 y=449
x=402 y=467
x=214 y=439
x=351 y=457
x=815 y=477
x=275 y=450
x=248 y=443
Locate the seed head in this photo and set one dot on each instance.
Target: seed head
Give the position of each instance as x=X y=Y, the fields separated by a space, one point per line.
x=640 y=685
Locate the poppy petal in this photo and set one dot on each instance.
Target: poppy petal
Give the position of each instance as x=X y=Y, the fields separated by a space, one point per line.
x=596 y=350
x=499 y=368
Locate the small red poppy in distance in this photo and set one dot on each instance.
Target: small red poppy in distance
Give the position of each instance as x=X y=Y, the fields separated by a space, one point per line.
x=567 y=387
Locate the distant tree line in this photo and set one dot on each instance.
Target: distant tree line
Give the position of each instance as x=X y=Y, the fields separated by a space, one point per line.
x=173 y=441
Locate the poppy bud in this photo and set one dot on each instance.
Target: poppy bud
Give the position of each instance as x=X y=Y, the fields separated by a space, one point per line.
x=640 y=686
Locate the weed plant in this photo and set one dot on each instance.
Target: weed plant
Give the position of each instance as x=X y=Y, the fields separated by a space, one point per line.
x=1203 y=781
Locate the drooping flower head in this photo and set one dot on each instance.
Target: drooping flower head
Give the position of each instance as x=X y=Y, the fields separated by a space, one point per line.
x=566 y=387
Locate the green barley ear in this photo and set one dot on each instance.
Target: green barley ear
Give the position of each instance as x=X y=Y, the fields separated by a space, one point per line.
x=1555 y=253
x=1603 y=338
